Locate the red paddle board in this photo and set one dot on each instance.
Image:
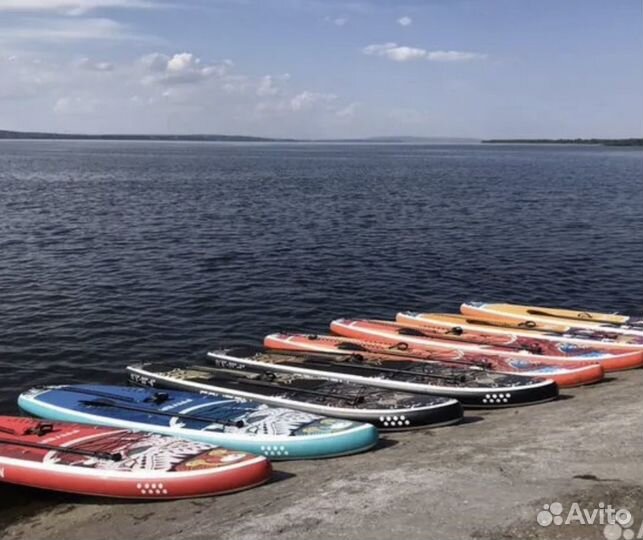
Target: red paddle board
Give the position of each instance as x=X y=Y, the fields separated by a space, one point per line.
x=112 y=462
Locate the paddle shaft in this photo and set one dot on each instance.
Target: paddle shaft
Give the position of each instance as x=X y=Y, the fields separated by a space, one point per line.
x=587 y=317
x=385 y=369
x=479 y=364
x=266 y=384
x=63 y=449
x=449 y=335
x=312 y=363
x=127 y=399
x=395 y=350
x=99 y=403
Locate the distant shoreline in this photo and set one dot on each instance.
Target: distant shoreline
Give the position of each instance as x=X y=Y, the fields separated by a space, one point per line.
x=133 y=137
x=601 y=142
x=37 y=135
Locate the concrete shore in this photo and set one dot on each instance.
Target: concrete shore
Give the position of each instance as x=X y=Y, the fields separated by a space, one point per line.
x=485 y=479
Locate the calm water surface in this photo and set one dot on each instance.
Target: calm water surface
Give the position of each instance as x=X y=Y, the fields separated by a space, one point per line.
x=113 y=252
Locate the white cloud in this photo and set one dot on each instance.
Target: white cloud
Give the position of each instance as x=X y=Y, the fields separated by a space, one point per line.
x=395 y=52
x=180 y=68
x=267 y=86
x=405 y=21
x=70 y=7
x=159 y=93
x=182 y=62
x=401 y=53
x=306 y=100
x=155 y=61
x=64 y=30
x=271 y=85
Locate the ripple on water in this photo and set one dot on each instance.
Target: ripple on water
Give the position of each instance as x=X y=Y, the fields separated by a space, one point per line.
x=121 y=252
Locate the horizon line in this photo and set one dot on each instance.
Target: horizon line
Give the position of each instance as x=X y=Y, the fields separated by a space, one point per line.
x=17 y=134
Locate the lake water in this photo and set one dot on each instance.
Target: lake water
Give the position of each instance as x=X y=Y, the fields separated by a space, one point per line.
x=116 y=252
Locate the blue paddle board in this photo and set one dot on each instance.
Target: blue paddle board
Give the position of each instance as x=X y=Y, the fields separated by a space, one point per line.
x=275 y=432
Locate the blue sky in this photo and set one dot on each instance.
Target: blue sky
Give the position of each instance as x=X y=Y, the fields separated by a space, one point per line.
x=314 y=68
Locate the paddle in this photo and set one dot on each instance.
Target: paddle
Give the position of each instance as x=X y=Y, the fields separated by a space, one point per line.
x=360 y=358
x=51 y=447
x=265 y=384
x=157 y=398
x=529 y=325
x=402 y=346
x=110 y=404
x=586 y=333
x=535 y=349
x=584 y=316
x=90 y=392
x=399 y=348
x=323 y=362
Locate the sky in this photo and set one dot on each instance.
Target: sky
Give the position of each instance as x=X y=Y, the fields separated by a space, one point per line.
x=324 y=68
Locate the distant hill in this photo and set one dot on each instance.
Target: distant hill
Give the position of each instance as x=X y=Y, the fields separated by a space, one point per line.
x=408 y=140
x=4 y=134
x=402 y=139
x=604 y=142
x=133 y=137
